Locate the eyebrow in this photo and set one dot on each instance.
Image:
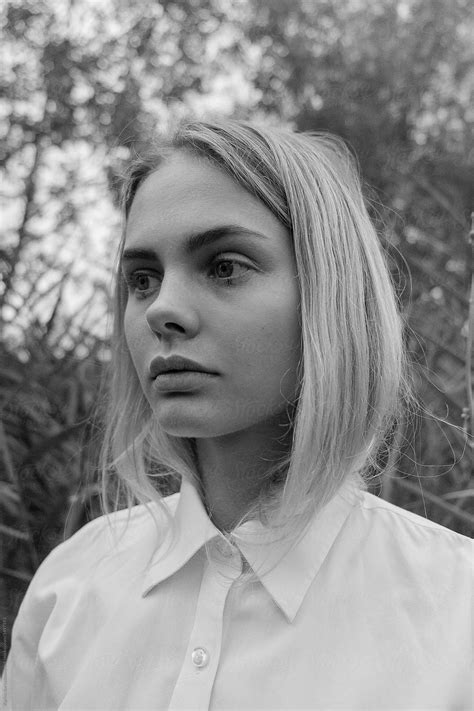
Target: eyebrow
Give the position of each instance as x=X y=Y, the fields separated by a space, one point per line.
x=196 y=241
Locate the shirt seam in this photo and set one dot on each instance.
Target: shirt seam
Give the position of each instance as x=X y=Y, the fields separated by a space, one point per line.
x=407 y=516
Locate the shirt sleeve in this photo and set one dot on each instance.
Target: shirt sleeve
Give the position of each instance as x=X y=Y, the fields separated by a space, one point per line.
x=18 y=686
x=18 y=674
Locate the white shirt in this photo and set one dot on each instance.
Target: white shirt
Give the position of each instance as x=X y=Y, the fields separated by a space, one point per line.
x=373 y=609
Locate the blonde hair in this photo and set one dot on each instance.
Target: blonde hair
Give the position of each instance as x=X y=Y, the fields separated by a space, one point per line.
x=352 y=374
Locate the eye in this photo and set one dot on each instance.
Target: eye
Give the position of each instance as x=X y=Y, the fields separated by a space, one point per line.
x=225 y=268
x=142 y=283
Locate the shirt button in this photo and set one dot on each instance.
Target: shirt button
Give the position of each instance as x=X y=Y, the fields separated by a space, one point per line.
x=200 y=657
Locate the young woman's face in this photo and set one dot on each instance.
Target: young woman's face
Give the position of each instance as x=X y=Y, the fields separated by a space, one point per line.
x=230 y=304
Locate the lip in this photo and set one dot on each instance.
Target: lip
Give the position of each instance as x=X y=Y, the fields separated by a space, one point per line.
x=182 y=380
x=160 y=366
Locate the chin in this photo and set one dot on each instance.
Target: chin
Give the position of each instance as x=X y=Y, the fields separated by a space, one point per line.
x=197 y=427
x=188 y=424
x=184 y=416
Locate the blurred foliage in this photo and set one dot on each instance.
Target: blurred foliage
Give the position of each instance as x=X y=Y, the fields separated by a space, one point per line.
x=84 y=85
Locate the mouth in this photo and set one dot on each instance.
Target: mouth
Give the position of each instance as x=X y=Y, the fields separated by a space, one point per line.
x=181 y=380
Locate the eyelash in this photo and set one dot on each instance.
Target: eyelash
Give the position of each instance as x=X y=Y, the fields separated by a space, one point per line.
x=132 y=279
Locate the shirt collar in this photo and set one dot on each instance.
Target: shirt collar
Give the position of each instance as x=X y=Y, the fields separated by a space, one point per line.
x=285 y=575
x=194 y=528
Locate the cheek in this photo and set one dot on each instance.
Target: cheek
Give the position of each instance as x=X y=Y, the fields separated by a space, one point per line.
x=283 y=332
x=129 y=331
x=270 y=343
x=283 y=345
x=135 y=340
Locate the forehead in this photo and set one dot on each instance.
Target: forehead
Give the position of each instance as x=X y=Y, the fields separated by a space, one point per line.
x=186 y=192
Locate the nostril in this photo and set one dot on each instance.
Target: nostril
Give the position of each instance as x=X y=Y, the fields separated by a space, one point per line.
x=174 y=326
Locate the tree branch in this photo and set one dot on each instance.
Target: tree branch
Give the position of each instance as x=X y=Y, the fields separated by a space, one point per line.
x=22 y=231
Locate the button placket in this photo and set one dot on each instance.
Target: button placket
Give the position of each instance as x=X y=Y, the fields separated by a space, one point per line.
x=194 y=685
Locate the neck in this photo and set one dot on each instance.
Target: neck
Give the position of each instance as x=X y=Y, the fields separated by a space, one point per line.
x=232 y=469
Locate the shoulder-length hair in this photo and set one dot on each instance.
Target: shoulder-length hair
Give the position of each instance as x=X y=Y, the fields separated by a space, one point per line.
x=352 y=371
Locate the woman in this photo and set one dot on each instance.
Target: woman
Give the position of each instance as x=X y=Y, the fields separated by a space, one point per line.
x=258 y=359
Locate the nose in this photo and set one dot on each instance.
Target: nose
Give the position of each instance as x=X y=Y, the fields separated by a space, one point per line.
x=173 y=310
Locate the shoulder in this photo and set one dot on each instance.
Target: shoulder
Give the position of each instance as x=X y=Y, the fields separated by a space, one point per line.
x=104 y=543
x=411 y=540
x=84 y=572
x=383 y=510
x=93 y=562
